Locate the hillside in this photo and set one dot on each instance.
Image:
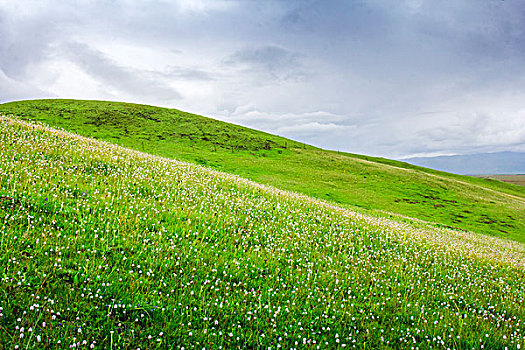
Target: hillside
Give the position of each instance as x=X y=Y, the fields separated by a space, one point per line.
x=371 y=184
x=513 y=179
x=102 y=247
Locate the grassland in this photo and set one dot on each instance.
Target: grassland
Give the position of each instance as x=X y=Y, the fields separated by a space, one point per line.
x=102 y=247
x=512 y=179
x=366 y=183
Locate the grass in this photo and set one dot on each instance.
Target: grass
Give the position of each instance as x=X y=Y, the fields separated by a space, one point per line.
x=371 y=184
x=102 y=247
x=518 y=179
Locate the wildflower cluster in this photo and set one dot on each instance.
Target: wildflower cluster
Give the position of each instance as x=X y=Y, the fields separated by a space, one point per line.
x=104 y=247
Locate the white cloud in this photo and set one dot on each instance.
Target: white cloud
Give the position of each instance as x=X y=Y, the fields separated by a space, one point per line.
x=372 y=77
x=313 y=128
x=206 y=6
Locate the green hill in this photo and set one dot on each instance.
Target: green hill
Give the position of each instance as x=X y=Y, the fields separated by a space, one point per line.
x=372 y=184
x=102 y=247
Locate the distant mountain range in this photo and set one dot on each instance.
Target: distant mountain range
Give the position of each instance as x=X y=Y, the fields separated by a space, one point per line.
x=475 y=164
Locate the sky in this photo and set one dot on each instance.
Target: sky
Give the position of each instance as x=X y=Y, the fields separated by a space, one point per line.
x=378 y=77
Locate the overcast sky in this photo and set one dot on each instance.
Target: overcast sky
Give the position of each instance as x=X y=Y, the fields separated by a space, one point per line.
x=377 y=77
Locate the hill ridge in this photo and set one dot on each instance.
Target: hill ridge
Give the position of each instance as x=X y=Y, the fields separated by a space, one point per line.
x=490 y=248
x=368 y=183
x=107 y=246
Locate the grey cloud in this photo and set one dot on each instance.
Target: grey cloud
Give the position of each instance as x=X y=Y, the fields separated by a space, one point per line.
x=135 y=82
x=272 y=60
x=488 y=29
x=270 y=57
x=378 y=77
x=11 y=90
x=24 y=45
x=187 y=73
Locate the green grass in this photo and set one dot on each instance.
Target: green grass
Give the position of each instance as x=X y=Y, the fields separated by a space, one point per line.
x=106 y=248
x=372 y=184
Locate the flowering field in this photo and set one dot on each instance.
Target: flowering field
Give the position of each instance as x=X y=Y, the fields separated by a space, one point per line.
x=367 y=183
x=107 y=248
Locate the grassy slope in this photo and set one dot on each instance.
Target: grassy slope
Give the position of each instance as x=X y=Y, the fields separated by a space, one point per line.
x=107 y=248
x=354 y=180
x=513 y=179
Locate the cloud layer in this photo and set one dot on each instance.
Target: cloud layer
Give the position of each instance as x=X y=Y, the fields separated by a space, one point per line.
x=377 y=77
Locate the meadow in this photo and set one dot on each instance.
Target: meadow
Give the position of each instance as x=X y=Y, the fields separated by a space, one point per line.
x=104 y=247
x=517 y=179
x=372 y=185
